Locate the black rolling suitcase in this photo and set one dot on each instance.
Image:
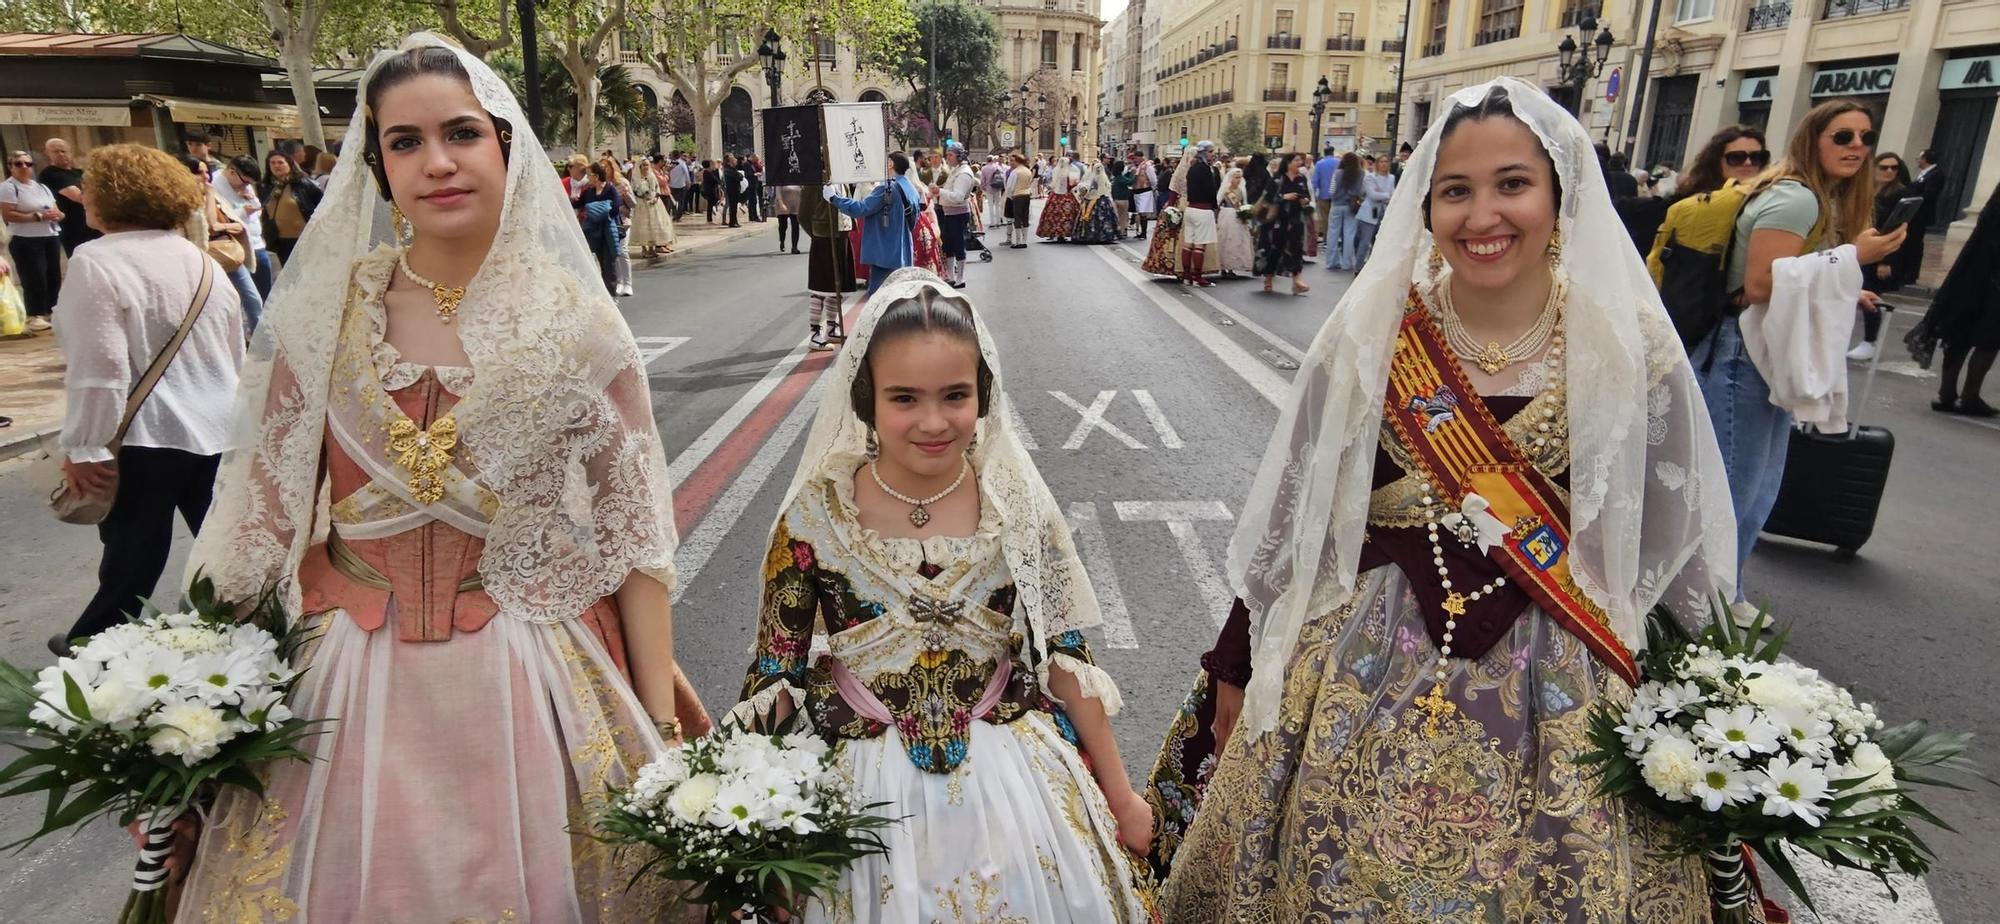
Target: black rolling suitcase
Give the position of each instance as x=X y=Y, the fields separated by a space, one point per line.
x=1834 y=481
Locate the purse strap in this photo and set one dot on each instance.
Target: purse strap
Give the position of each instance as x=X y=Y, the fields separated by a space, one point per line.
x=144 y=387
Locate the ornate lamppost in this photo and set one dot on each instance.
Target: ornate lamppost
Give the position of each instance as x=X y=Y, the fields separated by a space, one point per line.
x=1577 y=62
x=1322 y=95
x=772 y=53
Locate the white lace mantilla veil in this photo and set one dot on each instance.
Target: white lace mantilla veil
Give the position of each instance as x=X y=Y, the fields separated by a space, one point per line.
x=558 y=424
x=1650 y=515
x=1051 y=588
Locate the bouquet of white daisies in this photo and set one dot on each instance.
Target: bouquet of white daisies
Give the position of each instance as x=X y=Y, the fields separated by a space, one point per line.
x=1742 y=752
x=145 y=720
x=744 y=822
x=1171 y=216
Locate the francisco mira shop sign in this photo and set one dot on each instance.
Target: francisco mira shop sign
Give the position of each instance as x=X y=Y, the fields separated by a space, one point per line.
x=1871 y=80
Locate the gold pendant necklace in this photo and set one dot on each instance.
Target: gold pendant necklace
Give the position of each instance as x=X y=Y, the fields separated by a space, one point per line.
x=447 y=297
x=1491 y=357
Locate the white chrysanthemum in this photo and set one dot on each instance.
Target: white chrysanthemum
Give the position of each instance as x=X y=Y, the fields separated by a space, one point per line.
x=740 y=805
x=693 y=798
x=264 y=708
x=1775 y=690
x=1637 y=727
x=1797 y=789
x=1670 y=766
x=1871 y=764
x=1720 y=781
x=222 y=679
x=1672 y=698
x=1740 y=732
x=1807 y=734
x=191 y=731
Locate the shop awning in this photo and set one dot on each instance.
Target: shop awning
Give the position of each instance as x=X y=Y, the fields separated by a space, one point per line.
x=216 y=112
x=65 y=112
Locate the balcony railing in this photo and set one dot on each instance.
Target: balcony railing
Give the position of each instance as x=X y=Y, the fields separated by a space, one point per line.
x=1489 y=36
x=1392 y=44
x=1433 y=49
x=1273 y=95
x=1348 y=43
x=1385 y=97
x=1836 y=9
x=1293 y=42
x=1577 y=13
x=1764 y=16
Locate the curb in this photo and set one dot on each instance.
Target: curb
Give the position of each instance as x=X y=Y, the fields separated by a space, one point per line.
x=29 y=442
x=737 y=234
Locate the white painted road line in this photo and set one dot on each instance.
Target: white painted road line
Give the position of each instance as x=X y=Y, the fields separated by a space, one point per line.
x=1247 y=367
x=704 y=445
x=715 y=526
x=1020 y=427
x=652 y=348
x=1180 y=517
x=1277 y=343
x=1093 y=419
x=1169 y=437
x=1089 y=535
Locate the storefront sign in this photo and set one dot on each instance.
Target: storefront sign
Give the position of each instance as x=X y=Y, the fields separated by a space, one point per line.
x=1759 y=88
x=1970 y=73
x=1873 y=80
x=254 y=115
x=60 y=114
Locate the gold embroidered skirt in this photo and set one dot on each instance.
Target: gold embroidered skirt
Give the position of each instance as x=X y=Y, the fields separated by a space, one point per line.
x=1349 y=812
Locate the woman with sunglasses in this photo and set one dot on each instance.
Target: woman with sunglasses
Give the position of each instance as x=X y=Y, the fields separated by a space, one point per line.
x=1737 y=154
x=1892 y=184
x=1818 y=197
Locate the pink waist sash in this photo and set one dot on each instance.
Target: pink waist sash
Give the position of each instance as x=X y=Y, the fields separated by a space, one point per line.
x=868 y=706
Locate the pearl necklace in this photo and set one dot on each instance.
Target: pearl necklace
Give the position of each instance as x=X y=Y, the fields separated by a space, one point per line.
x=1434 y=705
x=918 y=515
x=447 y=297
x=1492 y=357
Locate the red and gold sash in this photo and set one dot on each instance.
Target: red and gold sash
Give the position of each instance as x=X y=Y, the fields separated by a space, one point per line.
x=1462 y=450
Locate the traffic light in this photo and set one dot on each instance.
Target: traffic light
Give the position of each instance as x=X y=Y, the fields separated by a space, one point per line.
x=1064 y=141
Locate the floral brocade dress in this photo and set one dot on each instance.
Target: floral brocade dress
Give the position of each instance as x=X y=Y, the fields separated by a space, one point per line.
x=1349 y=811
x=468 y=749
x=929 y=695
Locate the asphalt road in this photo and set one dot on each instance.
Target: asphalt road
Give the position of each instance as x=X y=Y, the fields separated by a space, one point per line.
x=1148 y=406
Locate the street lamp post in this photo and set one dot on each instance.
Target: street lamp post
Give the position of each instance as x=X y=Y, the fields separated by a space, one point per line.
x=772 y=53
x=1322 y=95
x=1022 y=126
x=1577 y=62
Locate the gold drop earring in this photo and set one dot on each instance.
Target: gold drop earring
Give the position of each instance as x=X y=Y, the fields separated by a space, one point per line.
x=1436 y=262
x=874 y=448
x=400 y=223
x=1556 y=244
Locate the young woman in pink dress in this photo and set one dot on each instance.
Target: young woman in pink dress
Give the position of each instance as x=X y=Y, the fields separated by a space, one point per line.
x=450 y=465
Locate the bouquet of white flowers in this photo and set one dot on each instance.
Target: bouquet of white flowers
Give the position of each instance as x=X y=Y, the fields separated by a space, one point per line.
x=1171 y=216
x=1245 y=212
x=748 y=822
x=1737 y=750
x=143 y=721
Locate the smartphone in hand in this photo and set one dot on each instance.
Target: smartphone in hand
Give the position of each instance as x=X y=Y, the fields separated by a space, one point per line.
x=1904 y=210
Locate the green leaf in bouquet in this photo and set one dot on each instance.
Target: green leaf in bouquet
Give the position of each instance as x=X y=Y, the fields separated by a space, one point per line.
x=1770 y=849
x=73 y=699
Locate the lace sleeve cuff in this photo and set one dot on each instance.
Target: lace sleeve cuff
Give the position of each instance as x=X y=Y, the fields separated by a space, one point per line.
x=755 y=711
x=1092 y=681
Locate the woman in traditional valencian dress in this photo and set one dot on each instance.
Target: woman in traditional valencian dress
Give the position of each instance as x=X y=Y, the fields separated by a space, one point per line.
x=1097 y=213
x=1236 y=244
x=1060 y=209
x=1492 y=467
x=488 y=574
x=652 y=224
x=955 y=681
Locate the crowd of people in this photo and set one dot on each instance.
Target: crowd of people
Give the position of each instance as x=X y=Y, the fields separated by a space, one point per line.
x=493 y=626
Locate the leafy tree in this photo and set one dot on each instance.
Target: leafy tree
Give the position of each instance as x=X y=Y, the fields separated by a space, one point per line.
x=580 y=30
x=619 y=102
x=1242 y=134
x=702 y=46
x=462 y=20
x=956 y=58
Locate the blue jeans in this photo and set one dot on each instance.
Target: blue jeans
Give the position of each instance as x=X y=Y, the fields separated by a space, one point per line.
x=246 y=292
x=1340 y=231
x=1752 y=432
x=876 y=275
x=262 y=274
x=1364 y=241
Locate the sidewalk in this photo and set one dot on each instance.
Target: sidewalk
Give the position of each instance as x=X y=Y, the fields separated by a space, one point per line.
x=31 y=368
x=31 y=373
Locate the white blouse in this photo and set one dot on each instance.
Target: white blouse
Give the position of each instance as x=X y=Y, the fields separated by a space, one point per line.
x=123 y=299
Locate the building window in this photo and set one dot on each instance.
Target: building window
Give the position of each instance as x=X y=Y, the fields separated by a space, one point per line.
x=1076 y=53
x=1048 y=48
x=1501 y=20
x=1439 y=21
x=1346 y=27
x=1576 y=11
x=1691 y=10
x=1284 y=22
x=828 y=52
x=1336 y=78
x=1281 y=76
